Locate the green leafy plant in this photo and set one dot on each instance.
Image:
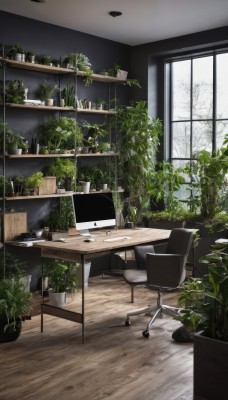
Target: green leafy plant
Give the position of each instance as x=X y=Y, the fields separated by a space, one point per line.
x=16 y=48
x=206 y=299
x=208 y=176
x=46 y=90
x=15 y=303
x=33 y=182
x=62 y=217
x=63 y=133
x=165 y=182
x=45 y=60
x=93 y=134
x=139 y=144
x=15 y=92
x=65 y=172
x=68 y=94
x=13 y=140
x=81 y=63
x=15 y=268
x=62 y=277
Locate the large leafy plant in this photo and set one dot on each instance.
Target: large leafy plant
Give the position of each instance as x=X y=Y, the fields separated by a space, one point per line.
x=208 y=176
x=206 y=299
x=139 y=144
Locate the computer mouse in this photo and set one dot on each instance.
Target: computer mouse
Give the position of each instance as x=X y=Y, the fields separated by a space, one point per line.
x=89 y=240
x=62 y=240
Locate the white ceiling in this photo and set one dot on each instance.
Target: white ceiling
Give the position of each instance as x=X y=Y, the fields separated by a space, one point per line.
x=142 y=21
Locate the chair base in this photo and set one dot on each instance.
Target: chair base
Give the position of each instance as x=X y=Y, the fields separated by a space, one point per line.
x=157 y=311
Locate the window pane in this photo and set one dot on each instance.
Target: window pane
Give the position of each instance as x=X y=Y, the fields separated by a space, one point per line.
x=201 y=136
x=181 y=90
x=202 y=90
x=181 y=140
x=222 y=86
x=221 y=131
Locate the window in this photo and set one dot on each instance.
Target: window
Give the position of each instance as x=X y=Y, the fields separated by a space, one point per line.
x=197 y=115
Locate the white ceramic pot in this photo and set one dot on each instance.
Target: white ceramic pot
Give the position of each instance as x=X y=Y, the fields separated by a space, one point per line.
x=85 y=186
x=57 y=299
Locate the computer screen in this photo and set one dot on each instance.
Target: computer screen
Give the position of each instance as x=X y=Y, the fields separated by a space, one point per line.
x=93 y=211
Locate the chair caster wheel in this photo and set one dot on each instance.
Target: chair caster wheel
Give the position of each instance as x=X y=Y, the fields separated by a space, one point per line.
x=127 y=322
x=146 y=334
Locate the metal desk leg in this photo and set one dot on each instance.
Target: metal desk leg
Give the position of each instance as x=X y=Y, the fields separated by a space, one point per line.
x=83 y=298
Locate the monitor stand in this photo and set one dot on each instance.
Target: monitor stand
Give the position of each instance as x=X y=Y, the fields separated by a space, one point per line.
x=84 y=232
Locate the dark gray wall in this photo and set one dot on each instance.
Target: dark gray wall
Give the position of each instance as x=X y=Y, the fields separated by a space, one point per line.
x=46 y=39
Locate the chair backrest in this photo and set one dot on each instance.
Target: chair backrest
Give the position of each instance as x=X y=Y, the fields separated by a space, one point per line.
x=168 y=270
x=140 y=255
x=180 y=241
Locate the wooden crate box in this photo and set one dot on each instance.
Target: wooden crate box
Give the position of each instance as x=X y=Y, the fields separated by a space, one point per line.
x=14 y=224
x=48 y=185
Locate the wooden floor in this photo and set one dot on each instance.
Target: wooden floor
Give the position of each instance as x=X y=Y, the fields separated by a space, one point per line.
x=116 y=362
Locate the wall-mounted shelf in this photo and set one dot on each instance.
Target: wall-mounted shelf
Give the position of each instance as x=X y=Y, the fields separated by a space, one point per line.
x=59 y=70
x=39 y=196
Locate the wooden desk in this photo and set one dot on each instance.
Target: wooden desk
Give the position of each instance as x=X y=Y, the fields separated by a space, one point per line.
x=75 y=249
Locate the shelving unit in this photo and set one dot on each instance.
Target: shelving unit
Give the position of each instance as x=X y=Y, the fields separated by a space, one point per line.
x=14 y=65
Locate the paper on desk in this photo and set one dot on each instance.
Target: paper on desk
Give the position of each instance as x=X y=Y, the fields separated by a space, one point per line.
x=28 y=243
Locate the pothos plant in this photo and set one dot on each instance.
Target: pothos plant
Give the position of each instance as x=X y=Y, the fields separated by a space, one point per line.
x=139 y=135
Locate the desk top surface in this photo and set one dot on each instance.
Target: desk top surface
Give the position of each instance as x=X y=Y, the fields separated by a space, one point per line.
x=126 y=238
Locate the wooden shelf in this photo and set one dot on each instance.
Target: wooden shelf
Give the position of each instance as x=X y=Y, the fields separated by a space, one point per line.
x=59 y=70
x=39 y=155
x=93 y=111
x=39 y=107
x=41 y=196
x=56 y=108
x=97 y=154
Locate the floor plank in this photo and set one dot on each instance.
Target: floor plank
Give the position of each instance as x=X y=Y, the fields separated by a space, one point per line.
x=116 y=362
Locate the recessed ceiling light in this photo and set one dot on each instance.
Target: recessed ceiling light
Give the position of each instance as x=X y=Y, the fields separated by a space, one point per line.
x=115 y=13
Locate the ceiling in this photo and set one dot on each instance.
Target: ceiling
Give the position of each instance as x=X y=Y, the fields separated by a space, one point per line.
x=142 y=21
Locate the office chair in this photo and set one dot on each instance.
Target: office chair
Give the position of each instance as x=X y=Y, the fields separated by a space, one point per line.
x=164 y=273
x=138 y=276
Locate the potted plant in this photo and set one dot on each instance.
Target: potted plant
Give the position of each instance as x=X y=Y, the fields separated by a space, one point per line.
x=61 y=134
x=45 y=60
x=14 y=308
x=206 y=312
x=13 y=140
x=46 y=91
x=93 y=134
x=15 y=303
x=68 y=95
x=81 y=63
x=33 y=182
x=15 y=92
x=62 y=278
x=30 y=56
x=16 y=52
x=65 y=172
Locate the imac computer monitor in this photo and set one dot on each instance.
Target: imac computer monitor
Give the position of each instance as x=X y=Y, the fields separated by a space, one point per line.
x=93 y=211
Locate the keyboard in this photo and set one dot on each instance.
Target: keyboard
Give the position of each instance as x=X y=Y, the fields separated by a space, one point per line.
x=117 y=238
